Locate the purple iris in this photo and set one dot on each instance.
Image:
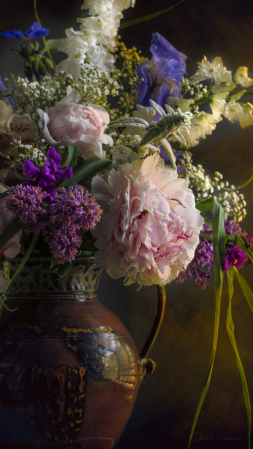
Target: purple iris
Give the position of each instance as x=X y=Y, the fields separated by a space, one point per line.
x=162 y=75
x=165 y=156
x=47 y=178
x=34 y=31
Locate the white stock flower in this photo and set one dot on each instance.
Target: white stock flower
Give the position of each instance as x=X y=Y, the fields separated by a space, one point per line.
x=246 y=118
x=183 y=104
x=208 y=70
x=202 y=124
x=98 y=32
x=223 y=82
x=217 y=104
x=241 y=77
x=232 y=109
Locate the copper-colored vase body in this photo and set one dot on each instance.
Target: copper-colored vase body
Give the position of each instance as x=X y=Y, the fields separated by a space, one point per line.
x=69 y=370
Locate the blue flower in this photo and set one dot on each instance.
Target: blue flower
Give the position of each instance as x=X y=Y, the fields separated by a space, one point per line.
x=162 y=75
x=33 y=31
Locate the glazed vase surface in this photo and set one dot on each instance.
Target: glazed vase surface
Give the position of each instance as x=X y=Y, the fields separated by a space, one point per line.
x=69 y=369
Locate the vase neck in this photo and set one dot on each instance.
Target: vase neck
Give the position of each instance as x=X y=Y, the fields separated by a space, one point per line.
x=79 y=284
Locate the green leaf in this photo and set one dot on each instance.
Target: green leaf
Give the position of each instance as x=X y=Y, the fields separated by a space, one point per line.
x=73 y=155
x=231 y=334
x=148 y=17
x=243 y=243
x=4 y=194
x=19 y=269
x=130 y=121
x=152 y=134
x=158 y=108
x=245 y=288
x=218 y=261
x=86 y=170
x=205 y=205
x=9 y=232
x=52 y=45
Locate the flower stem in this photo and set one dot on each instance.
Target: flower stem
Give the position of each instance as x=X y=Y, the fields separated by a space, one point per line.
x=20 y=268
x=150 y=16
x=43 y=37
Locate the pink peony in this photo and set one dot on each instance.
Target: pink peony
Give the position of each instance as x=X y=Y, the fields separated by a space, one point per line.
x=150 y=227
x=12 y=248
x=69 y=123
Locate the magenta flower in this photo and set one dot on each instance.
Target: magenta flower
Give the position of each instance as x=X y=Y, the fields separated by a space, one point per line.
x=54 y=161
x=47 y=178
x=235 y=257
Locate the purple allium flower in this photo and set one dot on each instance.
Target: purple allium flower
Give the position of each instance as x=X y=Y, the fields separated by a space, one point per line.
x=204 y=256
x=27 y=203
x=162 y=75
x=34 y=31
x=47 y=178
x=72 y=213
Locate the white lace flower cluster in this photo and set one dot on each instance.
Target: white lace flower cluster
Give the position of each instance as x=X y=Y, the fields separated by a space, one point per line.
x=96 y=38
x=219 y=94
x=204 y=187
x=94 y=86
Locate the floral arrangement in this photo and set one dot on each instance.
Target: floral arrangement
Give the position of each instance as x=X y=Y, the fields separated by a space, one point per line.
x=80 y=176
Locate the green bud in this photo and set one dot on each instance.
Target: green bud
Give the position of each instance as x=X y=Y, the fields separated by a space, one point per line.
x=42 y=69
x=48 y=63
x=26 y=54
x=36 y=67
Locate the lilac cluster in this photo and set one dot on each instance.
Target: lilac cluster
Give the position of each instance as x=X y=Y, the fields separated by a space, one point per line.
x=27 y=203
x=204 y=256
x=72 y=213
x=49 y=176
x=62 y=223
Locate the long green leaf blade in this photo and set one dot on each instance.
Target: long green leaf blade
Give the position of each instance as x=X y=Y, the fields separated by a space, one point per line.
x=150 y=16
x=87 y=170
x=52 y=45
x=231 y=333
x=219 y=261
x=73 y=155
x=20 y=268
x=245 y=288
x=9 y=232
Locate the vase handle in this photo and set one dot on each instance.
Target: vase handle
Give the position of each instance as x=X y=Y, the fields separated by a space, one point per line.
x=148 y=365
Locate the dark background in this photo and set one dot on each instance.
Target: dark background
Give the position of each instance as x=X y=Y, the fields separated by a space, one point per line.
x=167 y=400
